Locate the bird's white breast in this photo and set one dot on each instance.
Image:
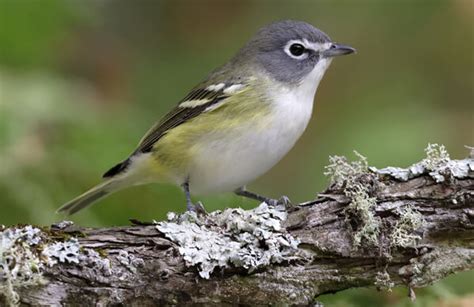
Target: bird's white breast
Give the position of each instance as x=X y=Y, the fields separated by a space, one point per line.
x=250 y=151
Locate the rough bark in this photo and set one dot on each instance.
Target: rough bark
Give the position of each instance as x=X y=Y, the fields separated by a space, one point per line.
x=425 y=232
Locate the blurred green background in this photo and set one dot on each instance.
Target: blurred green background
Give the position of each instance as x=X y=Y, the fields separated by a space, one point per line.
x=81 y=81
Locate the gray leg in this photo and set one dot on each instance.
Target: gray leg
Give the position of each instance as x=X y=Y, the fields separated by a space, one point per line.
x=270 y=201
x=189 y=204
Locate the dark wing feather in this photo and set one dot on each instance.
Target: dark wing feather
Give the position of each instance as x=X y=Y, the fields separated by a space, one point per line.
x=174 y=118
x=179 y=115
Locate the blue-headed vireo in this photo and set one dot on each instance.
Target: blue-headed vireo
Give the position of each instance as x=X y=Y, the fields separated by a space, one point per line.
x=236 y=124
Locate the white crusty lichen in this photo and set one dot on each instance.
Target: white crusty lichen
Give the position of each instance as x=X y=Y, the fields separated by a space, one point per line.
x=67 y=252
x=344 y=174
x=249 y=239
x=25 y=252
x=437 y=164
x=130 y=261
x=20 y=265
x=404 y=234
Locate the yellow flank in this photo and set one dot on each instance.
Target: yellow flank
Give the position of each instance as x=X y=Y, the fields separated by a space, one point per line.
x=173 y=153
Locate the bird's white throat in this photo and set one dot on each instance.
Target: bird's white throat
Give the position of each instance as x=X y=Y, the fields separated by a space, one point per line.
x=295 y=102
x=308 y=86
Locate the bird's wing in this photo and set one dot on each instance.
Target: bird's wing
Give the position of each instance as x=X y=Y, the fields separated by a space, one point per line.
x=200 y=100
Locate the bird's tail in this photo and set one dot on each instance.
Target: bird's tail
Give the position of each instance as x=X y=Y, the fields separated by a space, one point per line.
x=91 y=196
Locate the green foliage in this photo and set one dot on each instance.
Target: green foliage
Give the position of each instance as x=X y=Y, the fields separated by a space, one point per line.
x=30 y=30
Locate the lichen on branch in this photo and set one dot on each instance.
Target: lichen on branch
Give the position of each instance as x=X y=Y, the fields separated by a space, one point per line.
x=355 y=178
x=437 y=164
x=345 y=175
x=25 y=253
x=248 y=239
x=387 y=227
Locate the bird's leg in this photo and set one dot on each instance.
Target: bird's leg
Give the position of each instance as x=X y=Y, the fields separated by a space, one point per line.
x=198 y=207
x=242 y=191
x=189 y=204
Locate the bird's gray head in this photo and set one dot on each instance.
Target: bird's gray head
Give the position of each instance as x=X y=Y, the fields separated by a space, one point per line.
x=291 y=50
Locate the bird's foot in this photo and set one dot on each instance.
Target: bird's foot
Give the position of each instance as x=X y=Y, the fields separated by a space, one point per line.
x=198 y=208
x=284 y=200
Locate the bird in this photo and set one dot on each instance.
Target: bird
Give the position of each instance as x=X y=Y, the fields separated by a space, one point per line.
x=236 y=124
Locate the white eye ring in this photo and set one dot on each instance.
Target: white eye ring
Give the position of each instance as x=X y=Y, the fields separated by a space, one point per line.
x=288 y=46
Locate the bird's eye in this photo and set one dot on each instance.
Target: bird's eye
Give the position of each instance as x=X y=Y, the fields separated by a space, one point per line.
x=297 y=49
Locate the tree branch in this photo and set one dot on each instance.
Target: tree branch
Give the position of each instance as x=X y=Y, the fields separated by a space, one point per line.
x=371 y=227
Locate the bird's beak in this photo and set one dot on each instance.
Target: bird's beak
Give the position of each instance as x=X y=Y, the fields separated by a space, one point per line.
x=337 y=50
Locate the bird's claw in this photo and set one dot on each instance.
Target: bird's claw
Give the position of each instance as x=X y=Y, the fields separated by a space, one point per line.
x=198 y=208
x=284 y=200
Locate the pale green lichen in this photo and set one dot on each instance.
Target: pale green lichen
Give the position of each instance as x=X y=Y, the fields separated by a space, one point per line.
x=235 y=237
x=383 y=281
x=437 y=164
x=362 y=206
x=340 y=170
x=436 y=156
x=343 y=173
x=403 y=234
